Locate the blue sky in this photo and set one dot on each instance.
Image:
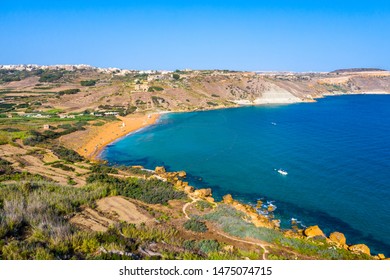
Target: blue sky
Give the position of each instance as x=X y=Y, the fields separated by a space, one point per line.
x=237 y=35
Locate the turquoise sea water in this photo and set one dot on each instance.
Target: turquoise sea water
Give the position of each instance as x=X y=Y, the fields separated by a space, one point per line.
x=336 y=152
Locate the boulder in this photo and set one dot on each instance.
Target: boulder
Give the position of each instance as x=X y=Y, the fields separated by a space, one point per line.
x=228 y=248
x=202 y=193
x=259 y=204
x=313 y=231
x=179 y=183
x=381 y=256
x=210 y=199
x=338 y=238
x=271 y=208
x=276 y=222
x=182 y=174
x=360 y=248
x=160 y=169
x=228 y=199
x=188 y=189
x=261 y=221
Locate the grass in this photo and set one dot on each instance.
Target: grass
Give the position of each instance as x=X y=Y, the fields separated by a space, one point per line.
x=231 y=221
x=151 y=191
x=195 y=225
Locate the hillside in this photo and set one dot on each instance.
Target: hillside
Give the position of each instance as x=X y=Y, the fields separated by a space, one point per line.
x=58 y=204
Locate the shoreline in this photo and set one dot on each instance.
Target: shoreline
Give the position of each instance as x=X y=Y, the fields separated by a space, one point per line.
x=113 y=131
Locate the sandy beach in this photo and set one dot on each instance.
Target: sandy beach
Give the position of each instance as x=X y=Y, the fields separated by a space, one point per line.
x=112 y=131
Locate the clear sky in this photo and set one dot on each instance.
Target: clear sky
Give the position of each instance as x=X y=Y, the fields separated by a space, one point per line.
x=230 y=34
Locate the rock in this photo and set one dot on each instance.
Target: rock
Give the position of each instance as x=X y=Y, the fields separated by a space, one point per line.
x=276 y=223
x=313 y=231
x=188 y=189
x=138 y=167
x=182 y=174
x=360 y=248
x=160 y=169
x=228 y=248
x=271 y=208
x=210 y=199
x=228 y=199
x=259 y=204
x=179 y=183
x=381 y=256
x=260 y=221
x=338 y=238
x=202 y=193
x=292 y=233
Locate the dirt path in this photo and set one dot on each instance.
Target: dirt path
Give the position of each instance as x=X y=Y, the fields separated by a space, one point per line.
x=188 y=204
x=261 y=244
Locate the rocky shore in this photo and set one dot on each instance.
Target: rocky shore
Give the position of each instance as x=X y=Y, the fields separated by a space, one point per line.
x=252 y=215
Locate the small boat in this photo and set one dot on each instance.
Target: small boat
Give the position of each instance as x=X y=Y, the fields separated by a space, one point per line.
x=282 y=172
x=273 y=123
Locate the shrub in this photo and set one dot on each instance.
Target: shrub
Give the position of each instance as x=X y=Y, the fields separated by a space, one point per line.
x=67 y=154
x=5 y=167
x=104 y=169
x=202 y=205
x=69 y=91
x=208 y=246
x=63 y=167
x=155 y=88
x=88 y=83
x=176 y=76
x=51 y=76
x=195 y=225
x=150 y=191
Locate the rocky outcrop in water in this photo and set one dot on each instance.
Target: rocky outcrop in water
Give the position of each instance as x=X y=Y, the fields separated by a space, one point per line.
x=255 y=218
x=313 y=231
x=338 y=238
x=360 y=248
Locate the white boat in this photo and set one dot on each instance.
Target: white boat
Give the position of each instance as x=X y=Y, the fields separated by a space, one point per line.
x=282 y=172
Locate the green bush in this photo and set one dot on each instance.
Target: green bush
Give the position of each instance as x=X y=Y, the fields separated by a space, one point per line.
x=207 y=246
x=104 y=169
x=88 y=83
x=67 y=154
x=69 y=91
x=195 y=225
x=51 y=76
x=150 y=191
x=155 y=88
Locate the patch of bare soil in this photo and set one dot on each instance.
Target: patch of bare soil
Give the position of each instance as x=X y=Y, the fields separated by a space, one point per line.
x=91 y=219
x=119 y=208
x=109 y=211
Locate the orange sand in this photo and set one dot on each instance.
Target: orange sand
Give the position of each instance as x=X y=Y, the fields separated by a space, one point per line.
x=112 y=131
